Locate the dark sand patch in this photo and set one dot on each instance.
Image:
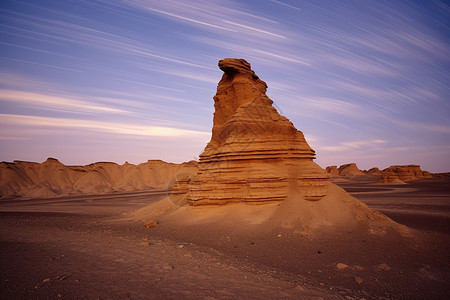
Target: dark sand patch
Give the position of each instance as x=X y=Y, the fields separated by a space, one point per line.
x=82 y=252
x=87 y=257
x=421 y=204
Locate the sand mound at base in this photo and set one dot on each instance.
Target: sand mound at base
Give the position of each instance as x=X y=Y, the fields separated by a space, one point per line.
x=336 y=210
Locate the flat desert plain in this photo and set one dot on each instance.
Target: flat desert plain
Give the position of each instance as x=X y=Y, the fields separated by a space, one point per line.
x=81 y=247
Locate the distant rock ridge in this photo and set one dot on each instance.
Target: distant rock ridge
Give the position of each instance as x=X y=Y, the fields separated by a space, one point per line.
x=397 y=174
x=53 y=179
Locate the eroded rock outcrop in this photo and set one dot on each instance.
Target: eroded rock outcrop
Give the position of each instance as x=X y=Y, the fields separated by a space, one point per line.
x=373 y=172
x=350 y=170
x=346 y=170
x=333 y=171
x=402 y=174
x=255 y=155
x=53 y=179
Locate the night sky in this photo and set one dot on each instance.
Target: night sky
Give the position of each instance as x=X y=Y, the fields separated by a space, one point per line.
x=85 y=81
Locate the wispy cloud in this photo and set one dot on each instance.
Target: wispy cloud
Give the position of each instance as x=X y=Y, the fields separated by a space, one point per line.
x=285 y=4
x=331 y=105
x=113 y=39
x=147 y=84
x=111 y=127
x=52 y=102
x=213 y=15
x=41 y=64
x=190 y=75
x=421 y=126
x=255 y=29
x=353 y=145
x=282 y=57
x=188 y=19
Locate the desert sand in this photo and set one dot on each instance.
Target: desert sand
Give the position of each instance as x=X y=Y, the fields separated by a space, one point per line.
x=81 y=248
x=256 y=218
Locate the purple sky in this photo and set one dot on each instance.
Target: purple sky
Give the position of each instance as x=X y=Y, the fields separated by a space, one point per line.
x=85 y=81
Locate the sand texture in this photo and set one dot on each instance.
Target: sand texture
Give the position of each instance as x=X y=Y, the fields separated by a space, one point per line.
x=86 y=252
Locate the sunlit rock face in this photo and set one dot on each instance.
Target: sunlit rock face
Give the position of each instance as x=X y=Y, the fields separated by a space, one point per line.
x=54 y=179
x=402 y=174
x=374 y=171
x=350 y=170
x=333 y=171
x=255 y=155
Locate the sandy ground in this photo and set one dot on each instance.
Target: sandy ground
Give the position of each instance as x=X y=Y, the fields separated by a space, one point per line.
x=75 y=248
x=423 y=204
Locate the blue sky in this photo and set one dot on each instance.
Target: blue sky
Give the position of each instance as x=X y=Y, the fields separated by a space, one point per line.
x=132 y=80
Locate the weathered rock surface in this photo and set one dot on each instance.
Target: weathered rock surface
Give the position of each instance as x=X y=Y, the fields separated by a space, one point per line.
x=350 y=170
x=373 y=172
x=333 y=171
x=53 y=179
x=347 y=170
x=255 y=155
x=402 y=174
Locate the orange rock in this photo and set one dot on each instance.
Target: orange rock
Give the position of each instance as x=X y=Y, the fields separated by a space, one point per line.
x=402 y=174
x=350 y=170
x=52 y=178
x=333 y=171
x=255 y=155
x=151 y=224
x=374 y=171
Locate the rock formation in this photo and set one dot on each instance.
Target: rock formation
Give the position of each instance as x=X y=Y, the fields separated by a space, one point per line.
x=402 y=174
x=53 y=179
x=350 y=170
x=347 y=170
x=373 y=172
x=255 y=155
x=333 y=171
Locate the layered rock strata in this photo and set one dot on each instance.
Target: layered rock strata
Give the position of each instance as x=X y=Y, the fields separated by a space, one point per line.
x=402 y=174
x=350 y=170
x=255 y=155
x=333 y=171
x=373 y=171
x=347 y=170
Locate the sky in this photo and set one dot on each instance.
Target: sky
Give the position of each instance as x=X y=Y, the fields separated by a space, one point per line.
x=133 y=80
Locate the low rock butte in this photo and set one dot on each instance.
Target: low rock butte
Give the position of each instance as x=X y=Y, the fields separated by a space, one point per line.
x=403 y=174
x=255 y=155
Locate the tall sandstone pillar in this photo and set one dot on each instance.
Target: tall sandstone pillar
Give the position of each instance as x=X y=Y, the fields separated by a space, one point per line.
x=255 y=155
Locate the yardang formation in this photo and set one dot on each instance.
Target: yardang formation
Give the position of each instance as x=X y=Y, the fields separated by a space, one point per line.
x=255 y=155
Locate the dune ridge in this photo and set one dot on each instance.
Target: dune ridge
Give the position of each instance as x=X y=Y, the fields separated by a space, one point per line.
x=53 y=179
